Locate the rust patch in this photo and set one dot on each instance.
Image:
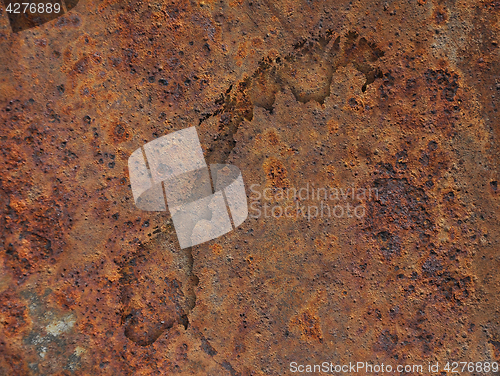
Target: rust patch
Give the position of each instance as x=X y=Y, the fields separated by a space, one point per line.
x=309 y=326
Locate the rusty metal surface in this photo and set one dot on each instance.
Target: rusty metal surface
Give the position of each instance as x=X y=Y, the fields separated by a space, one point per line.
x=401 y=97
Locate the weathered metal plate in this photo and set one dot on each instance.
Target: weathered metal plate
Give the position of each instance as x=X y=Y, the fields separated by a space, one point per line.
x=397 y=100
